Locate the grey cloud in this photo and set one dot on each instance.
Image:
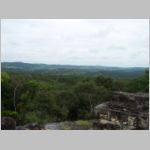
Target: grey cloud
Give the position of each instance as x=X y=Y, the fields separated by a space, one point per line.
x=14 y=43
x=94 y=50
x=120 y=42
x=120 y=48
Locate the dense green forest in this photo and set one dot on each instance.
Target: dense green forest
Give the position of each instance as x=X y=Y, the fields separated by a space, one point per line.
x=36 y=96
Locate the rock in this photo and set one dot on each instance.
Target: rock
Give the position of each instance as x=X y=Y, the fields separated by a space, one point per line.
x=66 y=125
x=21 y=128
x=8 y=123
x=124 y=108
x=33 y=126
x=53 y=126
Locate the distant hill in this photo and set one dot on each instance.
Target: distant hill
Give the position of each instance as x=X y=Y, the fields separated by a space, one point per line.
x=115 y=72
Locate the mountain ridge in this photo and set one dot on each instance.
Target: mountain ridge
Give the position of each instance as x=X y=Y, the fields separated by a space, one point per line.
x=56 y=69
x=20 y=62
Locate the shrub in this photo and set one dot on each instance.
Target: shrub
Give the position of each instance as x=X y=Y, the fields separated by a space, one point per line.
x=8 y=113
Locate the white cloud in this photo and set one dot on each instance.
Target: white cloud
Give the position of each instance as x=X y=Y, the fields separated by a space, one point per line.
x=108 y=42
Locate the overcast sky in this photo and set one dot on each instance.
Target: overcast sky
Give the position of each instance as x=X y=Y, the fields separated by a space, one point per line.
x=115 y=42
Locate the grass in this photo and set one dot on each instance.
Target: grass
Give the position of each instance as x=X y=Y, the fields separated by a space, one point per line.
x=82 y=123
x=66 y=127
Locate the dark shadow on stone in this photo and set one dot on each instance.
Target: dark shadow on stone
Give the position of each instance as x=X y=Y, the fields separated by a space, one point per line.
x=8 y=123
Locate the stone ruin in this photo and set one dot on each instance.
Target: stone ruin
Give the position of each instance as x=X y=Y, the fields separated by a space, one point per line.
x=126 y=111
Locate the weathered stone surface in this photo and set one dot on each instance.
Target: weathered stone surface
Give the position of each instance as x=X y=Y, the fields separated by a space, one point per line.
x=122 y=108
x=8 y=123
x=132 y=96
x=21 y=128
x=33 y=126
x=53 y=126
x=69 y=125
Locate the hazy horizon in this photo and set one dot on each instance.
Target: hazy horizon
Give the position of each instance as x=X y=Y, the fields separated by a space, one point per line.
x=72 y=64
x=79 y=42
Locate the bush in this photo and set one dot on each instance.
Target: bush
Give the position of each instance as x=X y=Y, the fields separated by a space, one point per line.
x=11 y=114
x=31 y=117
x=35 y=117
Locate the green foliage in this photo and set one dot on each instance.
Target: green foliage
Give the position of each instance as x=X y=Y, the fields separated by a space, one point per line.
x=60 y=113
x=88 y=95
x=140 y=84
x=120 y=85
x=37 y=117
x=107 y=82
x=6 y=92
x=8 y=113
x=5 y=76
x=31 y=117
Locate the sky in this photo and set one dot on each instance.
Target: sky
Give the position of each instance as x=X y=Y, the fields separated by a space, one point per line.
x=104 y=42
